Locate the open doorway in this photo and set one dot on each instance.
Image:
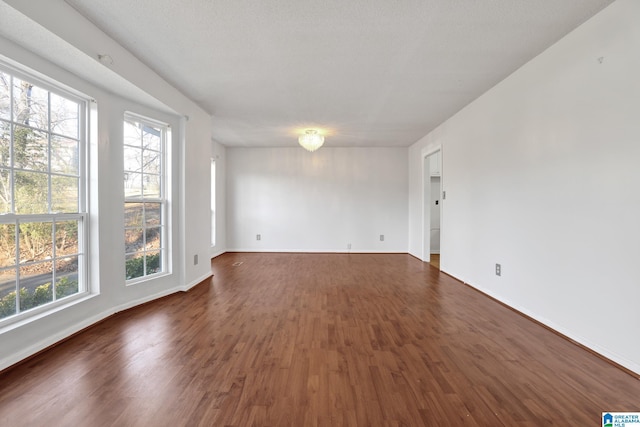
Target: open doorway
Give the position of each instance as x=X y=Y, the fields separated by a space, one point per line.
x=432 y=186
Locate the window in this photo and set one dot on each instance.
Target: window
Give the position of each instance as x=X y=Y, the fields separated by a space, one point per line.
x=144 y=197
x=42 y=194
x=213 y=202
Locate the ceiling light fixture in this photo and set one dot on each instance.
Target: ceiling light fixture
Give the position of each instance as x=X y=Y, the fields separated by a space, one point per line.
x=105 y=59
x=311 y=140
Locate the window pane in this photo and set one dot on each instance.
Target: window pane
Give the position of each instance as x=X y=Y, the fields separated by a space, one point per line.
x=29 y=149
x=151 y=186
x=151 y=138
x=5 y=191
x=7 y=292
x=5 y=144
x=40 y=146
x=153 y=238
x=67 y=238
x=7 y=245
x=133 y=214
x=134 y=265
x=151 y=162
x=66 y=277
x=5 y=96
x=64 y=155
x=64 y=197
x=154 y=262
x=35 y=241
x=152 y=212
x=30 y=104
x=133 y=239
x=132 y=134
x=64 y=116
x=31 y=192
x=132 y=159
x=132 y=185
x=35 y=285
x=143 y=181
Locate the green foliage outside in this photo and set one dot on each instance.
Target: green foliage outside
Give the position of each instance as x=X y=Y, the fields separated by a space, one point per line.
x=40 y=295
x=135 y=266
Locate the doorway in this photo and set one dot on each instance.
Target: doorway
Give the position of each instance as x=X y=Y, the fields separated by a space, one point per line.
x=432 y=186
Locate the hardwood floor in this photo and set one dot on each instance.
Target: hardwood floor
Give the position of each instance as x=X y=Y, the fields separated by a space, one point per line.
x=314 y=340
x=435 y=260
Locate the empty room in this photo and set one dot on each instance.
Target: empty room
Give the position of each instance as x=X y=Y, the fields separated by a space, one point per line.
x=305 y=213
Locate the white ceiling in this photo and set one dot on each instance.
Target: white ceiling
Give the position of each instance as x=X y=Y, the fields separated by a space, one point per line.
x=21 y=30
x=366 y=72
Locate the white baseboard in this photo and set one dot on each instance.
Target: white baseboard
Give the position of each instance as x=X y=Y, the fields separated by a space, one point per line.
x=622 y=361
x=147 y=298
x=193 y=283
x=315 y=251
x=53 y=339
x=217 y=254
x=85 y=323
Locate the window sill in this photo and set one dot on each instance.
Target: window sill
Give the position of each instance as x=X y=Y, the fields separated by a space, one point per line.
x=144 y=279
x=36 y=314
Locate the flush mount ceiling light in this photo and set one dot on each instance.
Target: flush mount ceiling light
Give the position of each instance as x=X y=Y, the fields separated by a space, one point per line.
x=311 y=140
x=105 y=59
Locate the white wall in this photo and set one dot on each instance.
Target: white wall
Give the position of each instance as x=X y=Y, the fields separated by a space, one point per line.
x=542 y=175
x=191 y=144
x=219 y=153
x=321 y=201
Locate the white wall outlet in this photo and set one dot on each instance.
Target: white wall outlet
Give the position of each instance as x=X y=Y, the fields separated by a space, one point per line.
x=195 y=259
x=258 y=237
x=348 y=245
x=382 y=237
x=498 y=270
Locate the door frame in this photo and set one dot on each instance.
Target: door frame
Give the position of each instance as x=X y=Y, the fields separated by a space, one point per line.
x=427 y=200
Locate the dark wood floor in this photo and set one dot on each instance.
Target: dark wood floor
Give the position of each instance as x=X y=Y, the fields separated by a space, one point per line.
x=317 y=339
x=435 y=260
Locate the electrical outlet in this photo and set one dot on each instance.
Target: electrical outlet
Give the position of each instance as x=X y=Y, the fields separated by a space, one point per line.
x=348 y=245
x=195 y=259
x=498 y=270
x=382 y=237
x=258 y=237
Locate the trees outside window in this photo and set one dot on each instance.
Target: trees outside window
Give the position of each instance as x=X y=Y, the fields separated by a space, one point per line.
x=42 y=193
x=145 y=201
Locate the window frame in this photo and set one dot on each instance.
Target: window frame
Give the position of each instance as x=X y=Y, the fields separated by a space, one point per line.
x=213 y=203
x=56 y=88
x=163 y=199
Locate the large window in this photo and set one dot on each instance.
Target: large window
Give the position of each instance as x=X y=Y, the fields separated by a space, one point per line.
x=145 y=200
x=42 y=194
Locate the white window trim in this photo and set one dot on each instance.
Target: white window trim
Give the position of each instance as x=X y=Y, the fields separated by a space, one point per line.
x=163 y=200
x=84 y=290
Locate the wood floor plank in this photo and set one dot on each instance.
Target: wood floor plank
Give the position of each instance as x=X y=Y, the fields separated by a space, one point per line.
x=317 y=340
